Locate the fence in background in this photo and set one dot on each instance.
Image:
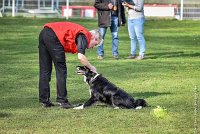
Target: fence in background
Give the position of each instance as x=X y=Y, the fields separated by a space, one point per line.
x=188 y=9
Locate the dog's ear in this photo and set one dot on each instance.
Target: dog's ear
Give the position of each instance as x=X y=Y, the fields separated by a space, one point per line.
x=79 y=66
x=86 y=68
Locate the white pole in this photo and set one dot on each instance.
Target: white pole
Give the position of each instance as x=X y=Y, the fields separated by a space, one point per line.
x=13 y=8
x=22 y=6
x=17 y=3
x=38 y=4
x=3 y=5
x=43 y=2
x=57 y=4
x=52 y=4
x=67 y=9
x=8 y=3
x=181 y=17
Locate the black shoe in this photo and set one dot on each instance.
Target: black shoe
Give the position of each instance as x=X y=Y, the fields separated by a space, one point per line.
x=47 y=104
x=65 y=105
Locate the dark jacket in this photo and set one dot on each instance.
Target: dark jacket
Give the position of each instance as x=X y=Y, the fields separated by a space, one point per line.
x=104 y=13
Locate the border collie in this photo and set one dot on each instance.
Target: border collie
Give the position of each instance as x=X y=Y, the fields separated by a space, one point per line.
x=106 y=92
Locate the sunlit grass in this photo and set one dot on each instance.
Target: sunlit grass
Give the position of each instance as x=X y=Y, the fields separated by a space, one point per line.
x=167 y=77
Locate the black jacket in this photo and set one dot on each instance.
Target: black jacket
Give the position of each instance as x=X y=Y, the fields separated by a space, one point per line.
x=104 y=13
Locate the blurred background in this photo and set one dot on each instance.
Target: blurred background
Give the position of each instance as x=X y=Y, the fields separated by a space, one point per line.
x=178 y=9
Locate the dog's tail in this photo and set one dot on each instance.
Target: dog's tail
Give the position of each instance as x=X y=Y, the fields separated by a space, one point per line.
x=140 y=103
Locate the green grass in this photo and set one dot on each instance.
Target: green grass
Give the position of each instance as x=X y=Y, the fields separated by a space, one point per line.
x=167 y=77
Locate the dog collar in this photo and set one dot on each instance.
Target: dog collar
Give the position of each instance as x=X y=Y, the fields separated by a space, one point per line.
x=94 y=78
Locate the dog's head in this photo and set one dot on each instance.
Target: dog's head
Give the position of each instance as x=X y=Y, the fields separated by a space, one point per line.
x=88 y=74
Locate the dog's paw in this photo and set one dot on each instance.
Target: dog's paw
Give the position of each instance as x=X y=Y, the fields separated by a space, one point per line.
x=139 y=107
x=79 y=107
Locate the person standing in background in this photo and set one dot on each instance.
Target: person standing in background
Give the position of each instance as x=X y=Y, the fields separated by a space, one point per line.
x=110 y=14
x=136 y=22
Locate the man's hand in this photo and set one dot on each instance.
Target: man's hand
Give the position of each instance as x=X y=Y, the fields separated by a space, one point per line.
x=83 y=59
x=93 y=69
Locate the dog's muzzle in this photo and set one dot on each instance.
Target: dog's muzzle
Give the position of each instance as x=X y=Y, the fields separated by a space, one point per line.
x=80 y=72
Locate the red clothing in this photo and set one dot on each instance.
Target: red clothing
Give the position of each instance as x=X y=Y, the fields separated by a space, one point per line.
x=67 y=32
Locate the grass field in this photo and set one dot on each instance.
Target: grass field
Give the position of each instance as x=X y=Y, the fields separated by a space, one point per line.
x=167 y=77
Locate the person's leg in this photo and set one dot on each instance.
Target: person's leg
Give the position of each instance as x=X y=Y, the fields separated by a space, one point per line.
x=139 y=29
x=57 y=53
x=45 y=64
x=61 y=76
x=100 y=49
x=132 y=35
x=114 y=32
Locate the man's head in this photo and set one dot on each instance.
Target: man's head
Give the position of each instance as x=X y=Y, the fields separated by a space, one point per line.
x=96 y=38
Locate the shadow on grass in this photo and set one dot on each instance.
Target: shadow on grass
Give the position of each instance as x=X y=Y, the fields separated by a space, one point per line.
x=4 y=115
x=161 y=55
x=170 y=55
x=148 y=94
x=18 y=103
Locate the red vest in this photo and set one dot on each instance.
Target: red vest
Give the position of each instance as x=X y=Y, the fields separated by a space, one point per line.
x=66 y=32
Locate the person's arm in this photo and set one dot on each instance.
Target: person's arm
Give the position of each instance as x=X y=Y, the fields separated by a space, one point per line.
x=83 y=59
x=123 y=16
x=137 y=7
x=102 y=6
x=82 y=42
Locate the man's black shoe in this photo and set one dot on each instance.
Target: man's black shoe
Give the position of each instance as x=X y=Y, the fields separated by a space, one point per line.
x=47 y=104
x=65 y=105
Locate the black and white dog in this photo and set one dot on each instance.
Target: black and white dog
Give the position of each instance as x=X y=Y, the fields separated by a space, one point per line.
x=104 y=91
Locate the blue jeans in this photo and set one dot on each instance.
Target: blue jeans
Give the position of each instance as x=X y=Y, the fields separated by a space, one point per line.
x=136 y=30
x=115 y=40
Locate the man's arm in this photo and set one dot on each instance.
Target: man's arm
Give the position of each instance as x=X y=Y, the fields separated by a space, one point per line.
x=101 y=6
x=81 y=43
x=83 y=59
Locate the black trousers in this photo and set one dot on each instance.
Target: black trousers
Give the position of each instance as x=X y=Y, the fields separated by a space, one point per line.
x=51 y=50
